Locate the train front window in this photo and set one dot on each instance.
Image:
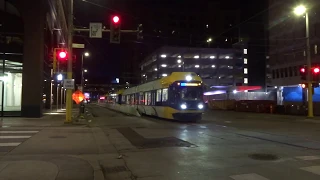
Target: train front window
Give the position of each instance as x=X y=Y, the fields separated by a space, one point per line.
x=191 y=93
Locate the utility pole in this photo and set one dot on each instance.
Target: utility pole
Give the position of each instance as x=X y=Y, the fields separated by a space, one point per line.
x=69 y=70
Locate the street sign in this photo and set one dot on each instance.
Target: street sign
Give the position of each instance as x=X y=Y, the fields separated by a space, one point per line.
x=68 y=83
x=95 y=30
x=78 y=46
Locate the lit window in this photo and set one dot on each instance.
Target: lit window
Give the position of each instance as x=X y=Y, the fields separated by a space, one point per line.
x=155 y=69
x=163 y=55
x=196 y=57
x=212 y=57
x=245 y=61
x=245 y=80
x=163 y=65
x=158 y=95
x=245 y=70
x=164 y=75
x=213 y=66
x=245 y=51
x=179 y=60
x=196 y=66
x=227 y=57
x=164 y=95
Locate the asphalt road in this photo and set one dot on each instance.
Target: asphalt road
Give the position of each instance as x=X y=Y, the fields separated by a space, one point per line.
x=224 y=145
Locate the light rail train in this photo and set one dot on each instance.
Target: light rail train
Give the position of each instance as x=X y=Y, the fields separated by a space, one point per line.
x=178 y=96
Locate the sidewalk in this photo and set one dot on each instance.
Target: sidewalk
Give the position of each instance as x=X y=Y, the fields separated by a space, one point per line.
x=53 y=118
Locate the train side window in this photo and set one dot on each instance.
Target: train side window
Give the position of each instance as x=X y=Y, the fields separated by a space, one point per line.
x=158 y=95
x=141 y=99
x=145 y=98
x=153 y=95
x=164 y=95
x=149 y=98
x=128 y=99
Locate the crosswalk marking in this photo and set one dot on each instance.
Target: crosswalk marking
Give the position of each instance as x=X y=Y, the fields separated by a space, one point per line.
x=18 y=132
x=308 y=158
x=312 y=169
x=14 y=137
x=9 y=144
x=251 y=176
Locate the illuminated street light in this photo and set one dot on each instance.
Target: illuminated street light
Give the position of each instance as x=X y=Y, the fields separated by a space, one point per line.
x=85 y=54
x=86 y=80
x=209 y=41
x=302 y=10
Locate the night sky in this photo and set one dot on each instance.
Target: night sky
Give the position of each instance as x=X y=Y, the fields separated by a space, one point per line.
x=108 y=61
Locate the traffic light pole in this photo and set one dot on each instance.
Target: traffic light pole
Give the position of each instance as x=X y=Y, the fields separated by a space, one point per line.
x=69 y=70
x=310 y=100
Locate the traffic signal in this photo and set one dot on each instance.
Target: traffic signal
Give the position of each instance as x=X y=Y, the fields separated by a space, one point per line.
x=62 y=55
x=115 y=29
x=315 y=73
x=303 y=73
x=139 y=32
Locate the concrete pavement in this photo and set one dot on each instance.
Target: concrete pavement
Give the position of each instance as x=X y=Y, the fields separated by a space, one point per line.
x=115 y=146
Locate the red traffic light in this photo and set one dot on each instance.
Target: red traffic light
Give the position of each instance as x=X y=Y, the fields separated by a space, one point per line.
x=316 y=70
x=62 y=54
x=303 y=70
x=116 y=19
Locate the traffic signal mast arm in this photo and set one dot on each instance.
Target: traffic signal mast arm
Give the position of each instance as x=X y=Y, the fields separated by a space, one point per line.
x=106 y=30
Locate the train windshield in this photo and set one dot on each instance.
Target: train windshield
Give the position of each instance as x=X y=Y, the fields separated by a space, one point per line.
x=191 y=93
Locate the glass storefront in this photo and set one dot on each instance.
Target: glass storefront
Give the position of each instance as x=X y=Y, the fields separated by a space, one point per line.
x=10 y=86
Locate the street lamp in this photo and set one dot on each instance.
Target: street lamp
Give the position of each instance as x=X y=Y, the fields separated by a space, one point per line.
x=86 y=54
x=209 y=41
x=302 y=10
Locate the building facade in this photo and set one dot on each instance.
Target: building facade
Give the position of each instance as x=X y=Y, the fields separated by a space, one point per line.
x=287 y=42
x=215 y=66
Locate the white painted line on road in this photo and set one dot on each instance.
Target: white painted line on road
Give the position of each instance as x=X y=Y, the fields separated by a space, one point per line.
x=251 y=176
x=14 y=137
x=18 y=132
x=312 y=169
x=308 y=158
x=9 y=144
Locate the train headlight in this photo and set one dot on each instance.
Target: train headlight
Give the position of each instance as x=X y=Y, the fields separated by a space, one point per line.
x=183 y=106
x=200 y=106
x=188 y=78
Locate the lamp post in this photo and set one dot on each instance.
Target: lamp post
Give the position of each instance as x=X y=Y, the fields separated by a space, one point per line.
x=302 y=10
x=86 y=54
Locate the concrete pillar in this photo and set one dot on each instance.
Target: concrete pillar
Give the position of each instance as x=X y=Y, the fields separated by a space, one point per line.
x=34 y=20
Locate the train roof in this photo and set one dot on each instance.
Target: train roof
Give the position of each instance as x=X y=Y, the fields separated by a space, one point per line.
x=163 y=82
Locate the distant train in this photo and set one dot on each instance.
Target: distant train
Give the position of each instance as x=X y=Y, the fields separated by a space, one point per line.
x=178 y=96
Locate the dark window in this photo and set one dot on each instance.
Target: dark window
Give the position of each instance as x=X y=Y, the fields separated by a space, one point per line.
x=277 y=73
x=273 y=74
x=285 y=72
x=281 y=73
x=295 y=70
x=290 y=72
